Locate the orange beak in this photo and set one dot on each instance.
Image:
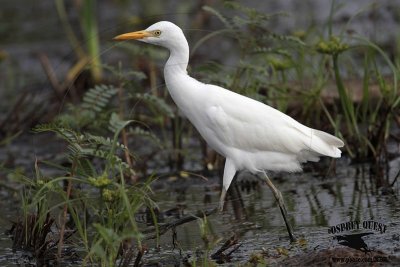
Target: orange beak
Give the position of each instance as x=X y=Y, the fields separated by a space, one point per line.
x=133 y=35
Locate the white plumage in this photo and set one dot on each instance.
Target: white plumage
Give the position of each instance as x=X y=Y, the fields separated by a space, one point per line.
x=249 y=134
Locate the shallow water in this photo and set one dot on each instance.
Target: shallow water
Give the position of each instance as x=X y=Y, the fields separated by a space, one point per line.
x=315 y=202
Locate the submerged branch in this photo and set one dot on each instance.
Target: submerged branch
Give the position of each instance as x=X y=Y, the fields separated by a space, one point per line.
x=222 y=257
x=162 y=229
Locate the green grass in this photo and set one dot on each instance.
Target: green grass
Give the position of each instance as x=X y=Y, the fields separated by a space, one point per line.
x=99 y=201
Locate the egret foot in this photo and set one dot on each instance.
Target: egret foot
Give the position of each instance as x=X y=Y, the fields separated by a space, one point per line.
x=222 y=199
x=281 y=203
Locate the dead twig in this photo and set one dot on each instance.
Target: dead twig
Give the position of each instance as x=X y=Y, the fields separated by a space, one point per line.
x=222 y=257
x=127 y=250
x=152 y=234
x=49 y=71
x=139 y=257
x=64 y=218
x=395 y=179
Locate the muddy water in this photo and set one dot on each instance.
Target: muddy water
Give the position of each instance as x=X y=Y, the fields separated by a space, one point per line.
x=8 y=206
x=315 y=202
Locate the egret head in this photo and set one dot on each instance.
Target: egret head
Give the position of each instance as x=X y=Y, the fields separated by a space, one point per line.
x=163 y=33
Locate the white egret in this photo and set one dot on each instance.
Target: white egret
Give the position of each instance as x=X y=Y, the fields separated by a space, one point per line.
x=249 y=134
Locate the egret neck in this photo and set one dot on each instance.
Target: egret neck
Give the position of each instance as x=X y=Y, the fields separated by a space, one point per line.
x=177 y=79
x=175 y=72
x=178 y=58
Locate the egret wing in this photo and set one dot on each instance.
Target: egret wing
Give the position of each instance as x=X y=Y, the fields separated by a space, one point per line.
x=243 y=123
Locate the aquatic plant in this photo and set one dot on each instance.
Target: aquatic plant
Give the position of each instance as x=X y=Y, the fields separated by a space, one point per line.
x=97 y=198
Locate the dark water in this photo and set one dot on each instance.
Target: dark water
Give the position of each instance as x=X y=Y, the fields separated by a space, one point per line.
x=314 y=204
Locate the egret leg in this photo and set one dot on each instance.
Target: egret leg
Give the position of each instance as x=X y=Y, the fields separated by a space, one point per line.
x=222 y=199
x=281 y=203
x=229 y=174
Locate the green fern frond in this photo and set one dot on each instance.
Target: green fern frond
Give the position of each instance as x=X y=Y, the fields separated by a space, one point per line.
x=138 y=75
x=110 y=158
x=47 y=127
x=93 y=112
x=85 y=168
x=226 y=21
x=240 y=21
x=97 y=98
x=155 y=101
x=141 y=132
x=125 y=75
x=103 y=141
x=78 y=151
x=285 y=38
x=67 y=134
x=272 y=50
x=116 y=124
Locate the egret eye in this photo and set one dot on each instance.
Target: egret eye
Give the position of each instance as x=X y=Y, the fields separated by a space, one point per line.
x=157 y=33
